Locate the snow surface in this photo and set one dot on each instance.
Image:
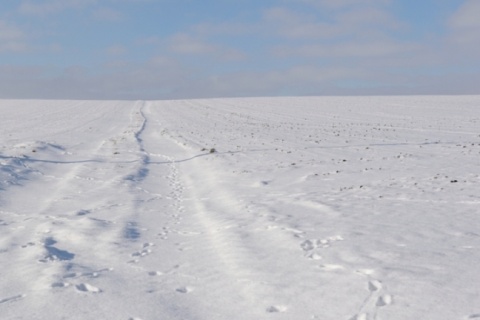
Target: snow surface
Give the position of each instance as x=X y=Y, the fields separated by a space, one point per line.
x=307 y=208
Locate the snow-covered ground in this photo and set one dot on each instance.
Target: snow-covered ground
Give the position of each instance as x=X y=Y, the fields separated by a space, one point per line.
x=308 y=208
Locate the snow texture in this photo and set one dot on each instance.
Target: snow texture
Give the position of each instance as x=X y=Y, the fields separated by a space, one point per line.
x=262 y=208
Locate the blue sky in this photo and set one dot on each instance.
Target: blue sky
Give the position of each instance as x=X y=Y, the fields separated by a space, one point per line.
x=170 y=49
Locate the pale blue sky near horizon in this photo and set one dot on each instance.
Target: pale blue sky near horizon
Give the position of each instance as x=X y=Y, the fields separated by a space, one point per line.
x=174 y=49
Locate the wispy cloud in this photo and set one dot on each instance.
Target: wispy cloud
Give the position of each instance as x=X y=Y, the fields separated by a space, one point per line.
x=465 y=26
x=467 y=16
x=187 y=44
x=46 y=7
x=116 y=50
x=267 y=48
x=108 y=14
x=352 y=49
x=232 y=29
x=341 y=4
x=362 y=21
x=49 y=7
x=12 y=38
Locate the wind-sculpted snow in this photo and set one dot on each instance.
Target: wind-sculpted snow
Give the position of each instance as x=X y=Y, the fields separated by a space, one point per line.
x=328 y=208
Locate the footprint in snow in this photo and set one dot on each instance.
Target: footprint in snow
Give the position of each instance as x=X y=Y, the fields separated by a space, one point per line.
x=55 y=254
x=331 y=267
x=314 y=256
x=60 y=284
x=374 y=285
x=85 y=287
x=311 y=244
x=361 y=316
x=384 y=300
x=365 y=272
x=83 y=212
x=277 y=308
x=184 y=289
x=145 y=250
x=29 y=244
x=93 y=274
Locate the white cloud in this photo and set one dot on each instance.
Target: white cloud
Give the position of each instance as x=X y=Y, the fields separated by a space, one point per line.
x=363 y=22
x=463 y=41
x=351 y=49
x=11 y=38
x=46 y=7
x=187 y=44
x=225 y=28
x=465 y=27
x=150 y=80
x=368 y=16
x=340 y=4
x=116 y=50
x=107 y=14
x=297 y=80
x=349 y=36
x=328 y=45
x=288 y=23
x=9 y=32
x=467 y=16
x=148 y=41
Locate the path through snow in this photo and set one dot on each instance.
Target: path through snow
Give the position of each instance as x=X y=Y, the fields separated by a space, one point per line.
x=263 y=208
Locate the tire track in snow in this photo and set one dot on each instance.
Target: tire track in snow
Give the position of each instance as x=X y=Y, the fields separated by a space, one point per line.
x=194 y=229
x=161 y=270
x=132 y=230
x=142 y=171
x=74 y=225
x=241 y=249
x=223 y=240
x=219 y=215
x=88 y=221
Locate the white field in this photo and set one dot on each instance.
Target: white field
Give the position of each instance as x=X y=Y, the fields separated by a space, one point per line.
x=310 y=208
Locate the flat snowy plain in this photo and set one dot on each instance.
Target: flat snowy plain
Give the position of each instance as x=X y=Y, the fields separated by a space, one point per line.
x=327 y=208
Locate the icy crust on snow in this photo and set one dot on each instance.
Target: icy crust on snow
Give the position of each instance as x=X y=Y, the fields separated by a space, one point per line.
x=353 y=208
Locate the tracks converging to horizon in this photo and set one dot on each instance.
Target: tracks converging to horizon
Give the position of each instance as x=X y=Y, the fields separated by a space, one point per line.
x=215 y=209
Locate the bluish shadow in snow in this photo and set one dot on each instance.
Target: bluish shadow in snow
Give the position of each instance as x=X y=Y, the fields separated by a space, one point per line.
x=13 y=172
x=143 y=171
x=131 y=231
x=138 y=176
x=55 y=253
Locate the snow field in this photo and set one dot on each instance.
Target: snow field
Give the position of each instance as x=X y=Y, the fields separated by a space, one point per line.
x=309 y=208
